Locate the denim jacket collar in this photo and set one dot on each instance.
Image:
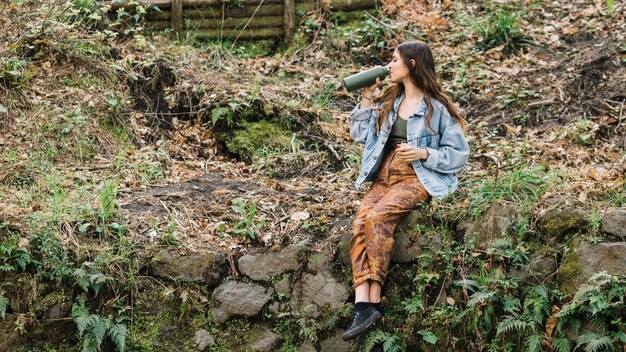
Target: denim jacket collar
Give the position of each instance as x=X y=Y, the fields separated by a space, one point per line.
x=420 y=111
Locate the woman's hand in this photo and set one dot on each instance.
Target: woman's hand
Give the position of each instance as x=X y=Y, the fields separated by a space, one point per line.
x=409 y=153
x=368 y=92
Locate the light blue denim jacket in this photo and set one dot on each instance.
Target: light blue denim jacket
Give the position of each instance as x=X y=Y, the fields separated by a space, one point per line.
x=447 y=145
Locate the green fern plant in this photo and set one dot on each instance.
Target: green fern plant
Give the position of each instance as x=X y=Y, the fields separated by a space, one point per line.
x=601 y=304
x=91 y=278
x=390 y=342
x=561 y=344
x=527 y=320
x=594 y=342
x=95 y=328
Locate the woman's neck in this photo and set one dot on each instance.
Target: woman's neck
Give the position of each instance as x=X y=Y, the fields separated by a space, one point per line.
x=411 y=92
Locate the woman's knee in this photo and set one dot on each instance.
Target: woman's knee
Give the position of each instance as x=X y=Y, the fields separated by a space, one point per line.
x=374 y=217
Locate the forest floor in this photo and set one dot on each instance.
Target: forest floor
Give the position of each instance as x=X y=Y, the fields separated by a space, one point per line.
x=555 y=107
x=112 y=127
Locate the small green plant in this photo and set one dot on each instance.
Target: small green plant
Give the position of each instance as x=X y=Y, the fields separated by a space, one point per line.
x=585 y=131
x=95 y=328
x=116 y=105
x=85 y=12
x=617 y=198
x=246 y=226
x=89 y=277
x=515 y=97
x=610 y=7
x=502 y=28
x=13 y=256
x=13 y=74
x=127 y=22
x=102 y=220
x=595 y=221
x=490 y=288
x=428 y=336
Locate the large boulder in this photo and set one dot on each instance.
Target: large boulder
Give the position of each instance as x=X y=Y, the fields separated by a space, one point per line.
x=203 y=265
x=343 y=247
x=409 y=244
x=614 y=222
x=586 y=259
x=559 y=222
x=495 y=228
x=316 y=290
x=266 y=265
x=239 y=298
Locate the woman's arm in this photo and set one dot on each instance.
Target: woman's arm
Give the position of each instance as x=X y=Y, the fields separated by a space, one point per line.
x=361 y=118
x=362 y=114
x=453 y=151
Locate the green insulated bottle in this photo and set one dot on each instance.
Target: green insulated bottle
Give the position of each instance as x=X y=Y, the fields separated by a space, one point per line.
x=365 y=78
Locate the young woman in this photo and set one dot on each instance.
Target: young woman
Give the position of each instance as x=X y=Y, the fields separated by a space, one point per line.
x=414 y=143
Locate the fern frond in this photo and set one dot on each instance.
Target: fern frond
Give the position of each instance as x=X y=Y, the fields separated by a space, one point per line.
x=389 y=342
x=98 y=329
x=4 y=304
x=510 y=323
x=511 y=304
x=90 y=344
x=394 y=343
x=533 y=343
x=603 y=344
x=595 y=343
x=480 y=297
x=81 y=315
x=599 y=325
x=118 y=334
x=561 y=344
x=373 y=338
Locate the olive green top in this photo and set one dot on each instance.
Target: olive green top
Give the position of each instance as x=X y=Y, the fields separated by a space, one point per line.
x=398 y=132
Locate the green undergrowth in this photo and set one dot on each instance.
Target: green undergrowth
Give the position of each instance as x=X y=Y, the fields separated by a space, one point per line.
x=459 y=299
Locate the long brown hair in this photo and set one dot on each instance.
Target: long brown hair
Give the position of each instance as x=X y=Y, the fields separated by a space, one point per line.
x=424 y=77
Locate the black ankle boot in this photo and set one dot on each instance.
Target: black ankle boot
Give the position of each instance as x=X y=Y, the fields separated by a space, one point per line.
x=360 y=321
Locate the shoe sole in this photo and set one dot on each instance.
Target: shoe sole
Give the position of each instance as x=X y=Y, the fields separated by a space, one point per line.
x=368 y=323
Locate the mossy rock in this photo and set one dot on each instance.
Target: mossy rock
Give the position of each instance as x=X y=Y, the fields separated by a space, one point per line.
x=255 y=137
x=557 y=224
x=586 y=259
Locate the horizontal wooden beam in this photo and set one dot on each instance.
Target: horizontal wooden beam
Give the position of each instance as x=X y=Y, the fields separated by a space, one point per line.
x=244 y=12
x=232 y=23
x=215 y=12
x=167 y=4
x=231 y=33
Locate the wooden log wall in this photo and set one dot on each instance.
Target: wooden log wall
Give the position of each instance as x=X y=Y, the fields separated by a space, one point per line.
x=245 y=19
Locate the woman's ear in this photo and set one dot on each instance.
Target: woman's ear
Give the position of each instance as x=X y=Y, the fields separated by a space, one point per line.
x=413 y=63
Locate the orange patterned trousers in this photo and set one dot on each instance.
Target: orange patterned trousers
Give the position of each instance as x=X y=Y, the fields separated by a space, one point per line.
x=395 y=192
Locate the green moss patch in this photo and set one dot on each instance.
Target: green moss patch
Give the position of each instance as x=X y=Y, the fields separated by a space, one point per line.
x=258 y=137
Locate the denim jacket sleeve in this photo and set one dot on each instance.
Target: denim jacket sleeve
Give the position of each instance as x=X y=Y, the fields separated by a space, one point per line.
x=453 y=151
x=361 y=120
